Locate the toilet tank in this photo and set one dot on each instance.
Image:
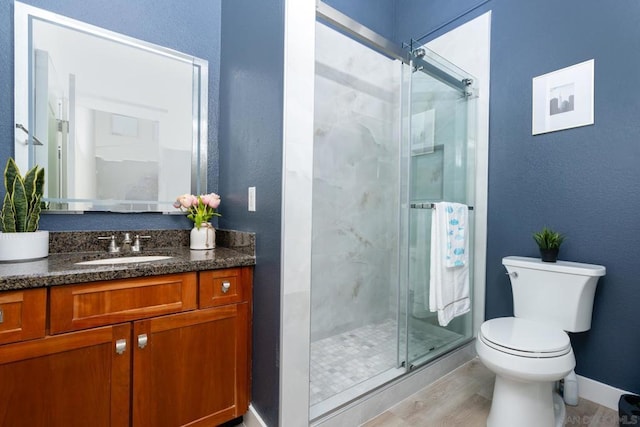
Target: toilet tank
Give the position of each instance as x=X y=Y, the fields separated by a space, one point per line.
x=559 y=293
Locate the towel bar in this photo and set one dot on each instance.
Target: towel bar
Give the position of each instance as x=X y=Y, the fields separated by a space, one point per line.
x=428 y=206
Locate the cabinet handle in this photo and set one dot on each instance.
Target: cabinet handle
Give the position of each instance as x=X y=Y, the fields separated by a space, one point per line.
x=121 y=346
x=142 y=340
x=1 y=315
x=225 y=287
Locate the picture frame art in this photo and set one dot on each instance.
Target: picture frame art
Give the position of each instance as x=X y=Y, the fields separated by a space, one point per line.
x=563 y=99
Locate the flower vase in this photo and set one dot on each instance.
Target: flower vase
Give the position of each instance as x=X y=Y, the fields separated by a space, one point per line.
x=203 y=238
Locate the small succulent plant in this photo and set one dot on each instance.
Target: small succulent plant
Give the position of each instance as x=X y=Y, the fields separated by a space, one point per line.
x=548 y=239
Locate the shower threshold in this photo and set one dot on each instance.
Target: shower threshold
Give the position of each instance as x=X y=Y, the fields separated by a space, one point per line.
x=437 y=352
x=351 y=394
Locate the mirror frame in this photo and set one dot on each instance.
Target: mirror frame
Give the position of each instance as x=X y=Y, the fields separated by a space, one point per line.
x=24 y=106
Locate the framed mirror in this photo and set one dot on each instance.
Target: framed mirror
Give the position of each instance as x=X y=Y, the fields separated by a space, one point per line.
x=117 y=123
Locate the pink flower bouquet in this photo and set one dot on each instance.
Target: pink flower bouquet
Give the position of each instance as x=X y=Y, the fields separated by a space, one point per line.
x=200 y=208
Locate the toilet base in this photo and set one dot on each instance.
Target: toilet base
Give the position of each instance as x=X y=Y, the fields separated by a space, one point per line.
x=524 y=404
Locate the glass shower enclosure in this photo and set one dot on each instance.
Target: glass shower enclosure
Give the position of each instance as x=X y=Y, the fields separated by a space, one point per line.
x=438 y=165
x=391 y=138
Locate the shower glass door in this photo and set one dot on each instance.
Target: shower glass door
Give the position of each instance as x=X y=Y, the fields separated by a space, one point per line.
x=355 y=214
x=385 y=136
x=439 y=158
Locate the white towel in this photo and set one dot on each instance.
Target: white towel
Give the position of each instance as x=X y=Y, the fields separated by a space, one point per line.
x=448 y=286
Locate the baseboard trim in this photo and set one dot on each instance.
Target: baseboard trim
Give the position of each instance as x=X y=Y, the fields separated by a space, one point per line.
x=600 y=393
x=253 y=419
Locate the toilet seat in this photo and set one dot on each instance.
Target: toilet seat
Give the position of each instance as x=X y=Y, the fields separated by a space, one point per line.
x=525 y=338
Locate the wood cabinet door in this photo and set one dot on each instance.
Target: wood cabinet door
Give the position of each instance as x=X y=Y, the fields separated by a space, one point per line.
x=191 y=368
x=76 y=379
x=22 y=315
x=222 y=287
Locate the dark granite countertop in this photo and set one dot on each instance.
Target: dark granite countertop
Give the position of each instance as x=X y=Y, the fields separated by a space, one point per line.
x=233 y=249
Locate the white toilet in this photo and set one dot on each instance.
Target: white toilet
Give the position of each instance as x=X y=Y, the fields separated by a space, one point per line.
x=531 y=351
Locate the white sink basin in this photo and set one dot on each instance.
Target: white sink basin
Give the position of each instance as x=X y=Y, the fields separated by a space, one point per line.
x=124 y=260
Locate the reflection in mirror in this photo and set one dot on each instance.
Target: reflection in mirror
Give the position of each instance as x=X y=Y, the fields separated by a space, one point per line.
x=118 y=124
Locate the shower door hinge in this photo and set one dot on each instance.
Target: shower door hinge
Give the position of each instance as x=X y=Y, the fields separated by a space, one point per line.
x=468 y=91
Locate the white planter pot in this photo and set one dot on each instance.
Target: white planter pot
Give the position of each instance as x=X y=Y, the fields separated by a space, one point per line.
x=203 y=238
x=24 y=246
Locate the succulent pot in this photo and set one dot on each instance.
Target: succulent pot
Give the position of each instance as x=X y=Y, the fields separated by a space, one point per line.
x=549 y=255
x=24 y=246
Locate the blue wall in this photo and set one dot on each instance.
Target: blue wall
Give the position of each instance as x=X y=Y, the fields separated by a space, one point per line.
x=194 y=30
x=583 y=181
x=251 y=108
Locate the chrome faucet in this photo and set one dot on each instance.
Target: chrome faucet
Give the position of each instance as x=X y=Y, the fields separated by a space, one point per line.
x=128 y=245
x=137 y=246
x=113 y=247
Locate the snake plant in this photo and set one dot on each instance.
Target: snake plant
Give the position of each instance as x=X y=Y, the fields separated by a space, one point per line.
x=22 y=199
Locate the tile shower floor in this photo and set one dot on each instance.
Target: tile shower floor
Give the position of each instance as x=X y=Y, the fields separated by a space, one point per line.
x=345 y=360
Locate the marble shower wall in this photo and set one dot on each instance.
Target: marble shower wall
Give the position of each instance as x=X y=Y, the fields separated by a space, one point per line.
x=355 y=185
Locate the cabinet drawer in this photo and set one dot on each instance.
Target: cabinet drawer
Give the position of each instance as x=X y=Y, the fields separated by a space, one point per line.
x=22 y=315
x=88 y=305
x=228 y=286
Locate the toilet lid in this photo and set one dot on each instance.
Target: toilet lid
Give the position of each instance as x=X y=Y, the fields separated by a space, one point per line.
x=524 y=337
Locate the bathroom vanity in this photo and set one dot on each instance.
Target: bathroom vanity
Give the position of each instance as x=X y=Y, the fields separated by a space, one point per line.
x=162 y=343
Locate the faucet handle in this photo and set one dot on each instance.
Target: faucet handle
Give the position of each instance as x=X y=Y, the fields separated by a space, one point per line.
x=137 y=247
x=113 y=248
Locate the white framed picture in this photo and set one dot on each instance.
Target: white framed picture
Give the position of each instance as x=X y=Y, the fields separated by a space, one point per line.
x=563 y=99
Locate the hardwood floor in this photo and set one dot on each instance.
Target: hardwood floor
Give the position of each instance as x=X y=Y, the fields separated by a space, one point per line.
x=463 y=398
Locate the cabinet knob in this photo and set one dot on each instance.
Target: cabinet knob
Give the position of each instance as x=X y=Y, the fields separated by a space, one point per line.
x=121 y=346
x=142 y=340
x=225 y=287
